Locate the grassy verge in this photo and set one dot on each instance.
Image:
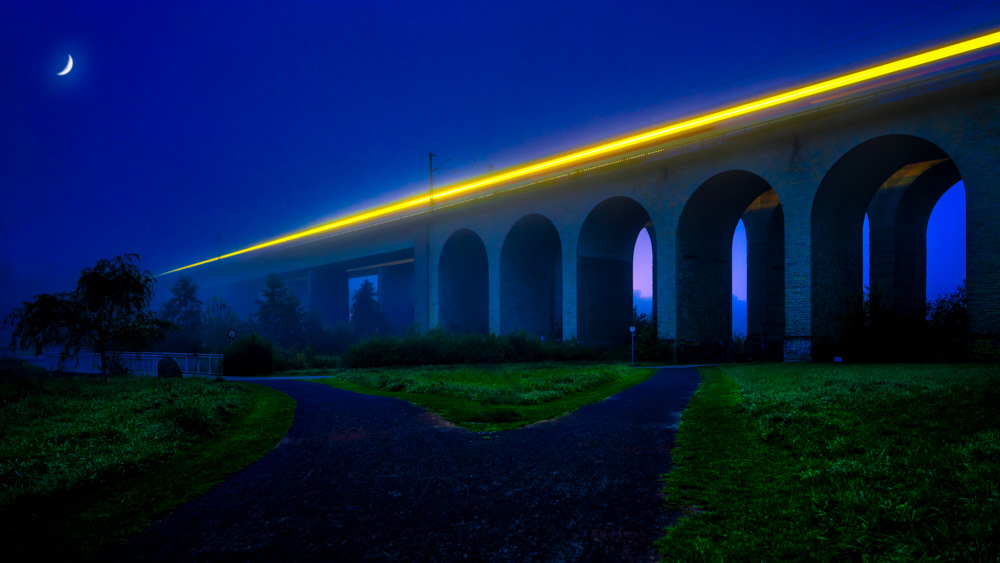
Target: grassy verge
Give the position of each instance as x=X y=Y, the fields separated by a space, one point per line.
x=493 y=397
x=838 y=463
x=85 y=465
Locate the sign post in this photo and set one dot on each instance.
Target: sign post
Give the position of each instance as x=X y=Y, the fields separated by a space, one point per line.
x=631 y=331
x=232 y=335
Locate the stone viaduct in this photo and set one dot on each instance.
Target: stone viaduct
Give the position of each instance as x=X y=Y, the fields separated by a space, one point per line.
x=552 y=255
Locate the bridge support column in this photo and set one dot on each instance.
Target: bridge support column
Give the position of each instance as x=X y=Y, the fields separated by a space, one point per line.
x=664 y=280
x=396 y=294
x=493 y=283
x=980 y=170
x=328 y=294
x=422 y=280
x=569 y=298
x=796 y=194
x=764 y=222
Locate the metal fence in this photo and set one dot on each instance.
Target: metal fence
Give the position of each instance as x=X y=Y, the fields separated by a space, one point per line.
x=136 y=363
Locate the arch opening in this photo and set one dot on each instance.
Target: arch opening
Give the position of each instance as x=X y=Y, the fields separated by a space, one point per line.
x=354 y=284
x=604 y=270
x=705 y=268
x=642 y=274
x=945 y=245
x=891 y=183
x=946 y=265
x=463 y=289
x=531 y=279
x=739 y=299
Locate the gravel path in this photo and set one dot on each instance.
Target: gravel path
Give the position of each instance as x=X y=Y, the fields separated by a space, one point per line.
x=360 y=477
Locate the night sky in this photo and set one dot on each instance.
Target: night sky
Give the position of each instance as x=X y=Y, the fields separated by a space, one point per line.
x=185 y=130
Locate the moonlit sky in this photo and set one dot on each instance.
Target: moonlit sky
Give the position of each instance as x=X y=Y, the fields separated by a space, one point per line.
x=187 y=129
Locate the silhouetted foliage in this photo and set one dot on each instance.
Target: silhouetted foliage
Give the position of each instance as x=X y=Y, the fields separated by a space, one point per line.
x=321 y=338
x=183 y=310
x=249 y=355
x=108 y=308
x=279 y=316
x=649 y=348
x=437 y=346
x=948 y=325
x=739 y=347
x=366 y=315
x=873 y=332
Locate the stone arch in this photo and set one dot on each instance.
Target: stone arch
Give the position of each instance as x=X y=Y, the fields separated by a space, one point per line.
x=898 y=216
x=895 y=179
x=704 y=266
x=463 y=288
x=531 y=278
x=604 y=270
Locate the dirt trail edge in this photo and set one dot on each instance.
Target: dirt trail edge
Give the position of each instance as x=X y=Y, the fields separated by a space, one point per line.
x=360 y=477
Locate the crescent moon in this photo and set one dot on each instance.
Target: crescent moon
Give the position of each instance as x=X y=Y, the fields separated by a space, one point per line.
x=69 y=66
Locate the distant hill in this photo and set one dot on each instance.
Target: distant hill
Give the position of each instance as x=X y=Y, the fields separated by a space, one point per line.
x=642 y=304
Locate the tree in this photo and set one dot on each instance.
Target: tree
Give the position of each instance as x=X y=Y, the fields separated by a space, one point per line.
x=279 y=314
x=648 y=347
x=108 y=308
x=184 y=312
x=948 y=324
x=366 y=315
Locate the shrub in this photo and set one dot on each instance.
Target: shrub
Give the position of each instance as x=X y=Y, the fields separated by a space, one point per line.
x=739 y=347
x=649 y=348
x=873 y=332
x=250 y=355
x=439 y=347
x=948 y=325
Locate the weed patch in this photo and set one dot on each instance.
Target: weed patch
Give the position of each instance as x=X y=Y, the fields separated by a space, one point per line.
x=493 y=397
x=84 y=464
x=835 y=463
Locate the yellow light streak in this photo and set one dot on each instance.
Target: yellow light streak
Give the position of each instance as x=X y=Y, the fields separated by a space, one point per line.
x=636 y=140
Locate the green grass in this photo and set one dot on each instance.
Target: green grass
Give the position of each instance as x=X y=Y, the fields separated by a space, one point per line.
x=492 y=397
x=838 y=463
x=84 y=465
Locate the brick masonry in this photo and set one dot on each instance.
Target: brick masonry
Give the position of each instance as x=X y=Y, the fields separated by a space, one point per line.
x=824 y=174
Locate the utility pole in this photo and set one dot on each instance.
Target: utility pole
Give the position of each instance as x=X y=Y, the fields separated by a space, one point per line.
x=431 y=175
x=427 y=248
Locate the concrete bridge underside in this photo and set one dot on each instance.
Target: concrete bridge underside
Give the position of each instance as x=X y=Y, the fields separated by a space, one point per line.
x=555 y=259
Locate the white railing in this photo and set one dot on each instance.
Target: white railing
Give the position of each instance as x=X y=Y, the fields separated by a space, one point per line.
x=136 y=363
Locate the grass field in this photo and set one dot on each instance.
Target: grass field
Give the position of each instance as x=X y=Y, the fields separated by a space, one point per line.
x=838 y=463
x=493 y=397
x=84 y=464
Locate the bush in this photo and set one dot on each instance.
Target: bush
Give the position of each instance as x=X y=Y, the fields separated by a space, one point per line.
x=649 y=348
x=249 y=355
x=873 y=332
x=739 y=347
x=439 y=347
x=948 y=326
